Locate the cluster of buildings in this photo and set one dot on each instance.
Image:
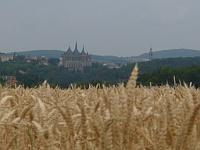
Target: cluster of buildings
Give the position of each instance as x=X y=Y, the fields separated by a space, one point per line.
x=42 y=60
x=73 y=60
x=9 y=81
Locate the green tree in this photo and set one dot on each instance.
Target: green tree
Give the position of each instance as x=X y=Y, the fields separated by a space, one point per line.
x=53 y=61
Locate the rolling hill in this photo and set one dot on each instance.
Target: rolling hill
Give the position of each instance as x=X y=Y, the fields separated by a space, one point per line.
x=40 y=53
x=58 y=53
x=172 y=53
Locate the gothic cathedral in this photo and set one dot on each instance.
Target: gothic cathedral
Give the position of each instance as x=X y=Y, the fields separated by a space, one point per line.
x=75 y=60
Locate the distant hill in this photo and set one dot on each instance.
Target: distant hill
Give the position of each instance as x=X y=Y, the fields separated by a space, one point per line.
x=172 y=53
x=40 y=53
x=58 y=53
x=109 y=59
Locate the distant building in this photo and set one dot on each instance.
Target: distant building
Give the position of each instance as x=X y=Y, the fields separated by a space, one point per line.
x=5 y=57
x=150 y=55
x=22 y=72
x=12 y=83
x=75 y=60
x=29 y=59
x=42 y=60
x=112 y=65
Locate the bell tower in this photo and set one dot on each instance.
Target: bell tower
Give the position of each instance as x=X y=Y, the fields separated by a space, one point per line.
x=150 y=54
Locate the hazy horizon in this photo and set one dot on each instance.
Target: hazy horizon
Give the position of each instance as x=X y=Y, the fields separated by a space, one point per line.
x=107 y=27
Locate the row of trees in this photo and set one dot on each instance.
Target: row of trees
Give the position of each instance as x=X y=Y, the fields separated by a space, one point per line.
x=157 y=72
x=166 y=74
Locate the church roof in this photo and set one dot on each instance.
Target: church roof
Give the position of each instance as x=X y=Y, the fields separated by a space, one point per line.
x=83 y=51
x=76 y=52
x=69 y=51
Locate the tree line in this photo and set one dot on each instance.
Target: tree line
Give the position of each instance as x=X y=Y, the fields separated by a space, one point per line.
x=158 y=72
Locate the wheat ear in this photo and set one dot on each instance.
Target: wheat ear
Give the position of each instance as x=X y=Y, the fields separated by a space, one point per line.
x=187 y=128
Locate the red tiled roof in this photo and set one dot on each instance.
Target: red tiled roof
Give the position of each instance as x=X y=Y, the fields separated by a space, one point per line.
x=11 y=82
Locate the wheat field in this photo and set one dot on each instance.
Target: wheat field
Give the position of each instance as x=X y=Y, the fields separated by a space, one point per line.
x=109 y=118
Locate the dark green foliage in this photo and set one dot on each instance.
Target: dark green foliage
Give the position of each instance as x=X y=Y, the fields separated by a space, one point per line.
x=158 y=71
x=1 y=81
x=165 y=74
x=150 y=66
x=53 y=61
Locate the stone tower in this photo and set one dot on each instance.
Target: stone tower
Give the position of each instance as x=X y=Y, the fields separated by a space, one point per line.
x=150 y=54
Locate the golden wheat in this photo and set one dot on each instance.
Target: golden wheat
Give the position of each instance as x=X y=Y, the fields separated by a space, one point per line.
x=113 y=118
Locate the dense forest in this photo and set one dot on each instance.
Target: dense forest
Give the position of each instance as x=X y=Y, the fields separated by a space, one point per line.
x=157 y=71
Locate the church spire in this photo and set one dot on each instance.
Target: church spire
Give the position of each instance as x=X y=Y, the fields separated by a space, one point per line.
x=69 y=51
x=76 y=47
x=83 y=50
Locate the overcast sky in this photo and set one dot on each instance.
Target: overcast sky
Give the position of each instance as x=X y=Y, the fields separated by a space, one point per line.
x=104 y=27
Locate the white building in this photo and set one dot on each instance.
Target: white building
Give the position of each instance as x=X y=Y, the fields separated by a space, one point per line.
x=5 y=57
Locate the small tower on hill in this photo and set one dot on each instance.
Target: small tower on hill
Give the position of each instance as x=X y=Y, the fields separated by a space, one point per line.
x=150 y=54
